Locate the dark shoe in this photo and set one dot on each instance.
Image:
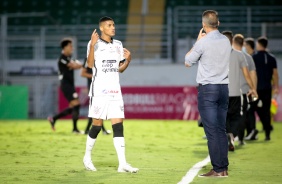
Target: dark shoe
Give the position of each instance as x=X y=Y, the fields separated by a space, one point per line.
x=52 y=123
x=267 y=139
x=271 y=127
x=255 y=135
x=76 y=131
x=212 y=173
x=252 y=136
x=231 y=145
x=242 y=143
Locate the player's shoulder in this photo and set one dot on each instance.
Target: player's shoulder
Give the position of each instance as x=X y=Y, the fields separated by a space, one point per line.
x=117 y=42
x=63 y=59
x=248 y=56
x=271 y=56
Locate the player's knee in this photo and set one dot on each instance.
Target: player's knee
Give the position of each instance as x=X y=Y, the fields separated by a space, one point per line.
x=97 y=122
x=94 y=131
x=75 y=111
x=74 y=103
x=118 y=129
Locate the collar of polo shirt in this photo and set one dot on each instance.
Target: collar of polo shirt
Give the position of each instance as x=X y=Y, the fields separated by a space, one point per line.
x=106 y=41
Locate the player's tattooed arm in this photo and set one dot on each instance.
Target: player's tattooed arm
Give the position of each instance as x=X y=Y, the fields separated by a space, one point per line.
x=127 y=56
x=93 y=41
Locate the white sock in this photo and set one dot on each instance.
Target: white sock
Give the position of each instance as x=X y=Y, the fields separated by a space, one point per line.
x=120 y=149
x=89 y=146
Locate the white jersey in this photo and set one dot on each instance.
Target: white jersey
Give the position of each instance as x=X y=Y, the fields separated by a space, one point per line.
x=105 y=80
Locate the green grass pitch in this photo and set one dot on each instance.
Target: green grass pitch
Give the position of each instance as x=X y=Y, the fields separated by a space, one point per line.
x=163 y=151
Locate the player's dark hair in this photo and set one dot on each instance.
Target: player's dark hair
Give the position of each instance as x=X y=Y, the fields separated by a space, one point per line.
x=229 y=35
x=250 y=42
x=238 y=39
x=103 y=19
x=210 y=17
x=263 y=41
x=65 y=42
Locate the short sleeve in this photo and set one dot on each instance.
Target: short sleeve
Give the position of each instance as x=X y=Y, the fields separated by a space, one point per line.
x=242 y=60
x=88 y=49
x=122 y=59
x=274 y=63
x=252 y=66
x=64 y=61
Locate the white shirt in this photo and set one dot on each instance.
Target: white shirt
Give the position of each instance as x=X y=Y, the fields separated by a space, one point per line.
x=105 y=80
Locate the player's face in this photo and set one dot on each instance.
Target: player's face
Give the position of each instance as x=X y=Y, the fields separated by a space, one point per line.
x=108 y=28
x=68 y=49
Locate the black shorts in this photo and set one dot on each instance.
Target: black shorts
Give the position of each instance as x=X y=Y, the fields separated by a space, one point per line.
x=69 y=91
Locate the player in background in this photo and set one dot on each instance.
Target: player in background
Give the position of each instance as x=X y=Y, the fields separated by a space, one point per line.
x=237 y=67
x=238 y=41
x=66 y=67
x=107 y=58
x=87 y=73
x=249 y=46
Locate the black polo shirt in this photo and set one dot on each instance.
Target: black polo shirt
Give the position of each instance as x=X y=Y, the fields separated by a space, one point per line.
x=66 y=74
x=265 y=63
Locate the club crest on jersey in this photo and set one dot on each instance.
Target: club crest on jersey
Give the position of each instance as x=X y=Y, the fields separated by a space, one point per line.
x=118 y=49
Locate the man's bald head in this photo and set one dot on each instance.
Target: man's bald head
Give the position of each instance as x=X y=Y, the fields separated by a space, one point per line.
x=210 y=19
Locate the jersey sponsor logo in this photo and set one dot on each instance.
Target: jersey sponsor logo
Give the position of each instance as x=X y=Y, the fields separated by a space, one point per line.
x=108 y=66
x=110 y=91
x=109 y=61
x=110 y=70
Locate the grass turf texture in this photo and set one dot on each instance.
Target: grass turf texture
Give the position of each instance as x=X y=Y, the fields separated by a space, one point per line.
x=163 y=151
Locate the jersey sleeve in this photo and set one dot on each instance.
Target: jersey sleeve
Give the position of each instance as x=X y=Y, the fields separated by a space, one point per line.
x=242 y=60
x=122 y=59
x=274 y=63
x=63 y=61
x=88 y=49
x=252 y=66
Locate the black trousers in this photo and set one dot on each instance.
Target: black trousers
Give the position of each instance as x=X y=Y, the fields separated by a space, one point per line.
x=250 y=120
x=264 y=111
x=233 y=118
x=242 y=125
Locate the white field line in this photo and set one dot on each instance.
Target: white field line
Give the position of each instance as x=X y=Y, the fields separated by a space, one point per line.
x=190 y=175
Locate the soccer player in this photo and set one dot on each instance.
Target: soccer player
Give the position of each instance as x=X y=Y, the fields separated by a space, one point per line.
x=267 y=73
x=87 y=73
x=107 y=58
x=238 y=41
x=252 y=132
x=237 y=67
x=66 y=67
x=249 y=46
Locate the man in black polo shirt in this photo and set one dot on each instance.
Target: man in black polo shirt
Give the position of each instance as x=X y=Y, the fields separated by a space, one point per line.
x=66 y=75
x=87 y=73
x=268 y=80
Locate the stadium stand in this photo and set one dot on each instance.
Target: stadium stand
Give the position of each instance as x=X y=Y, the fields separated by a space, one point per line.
x=34 y=40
